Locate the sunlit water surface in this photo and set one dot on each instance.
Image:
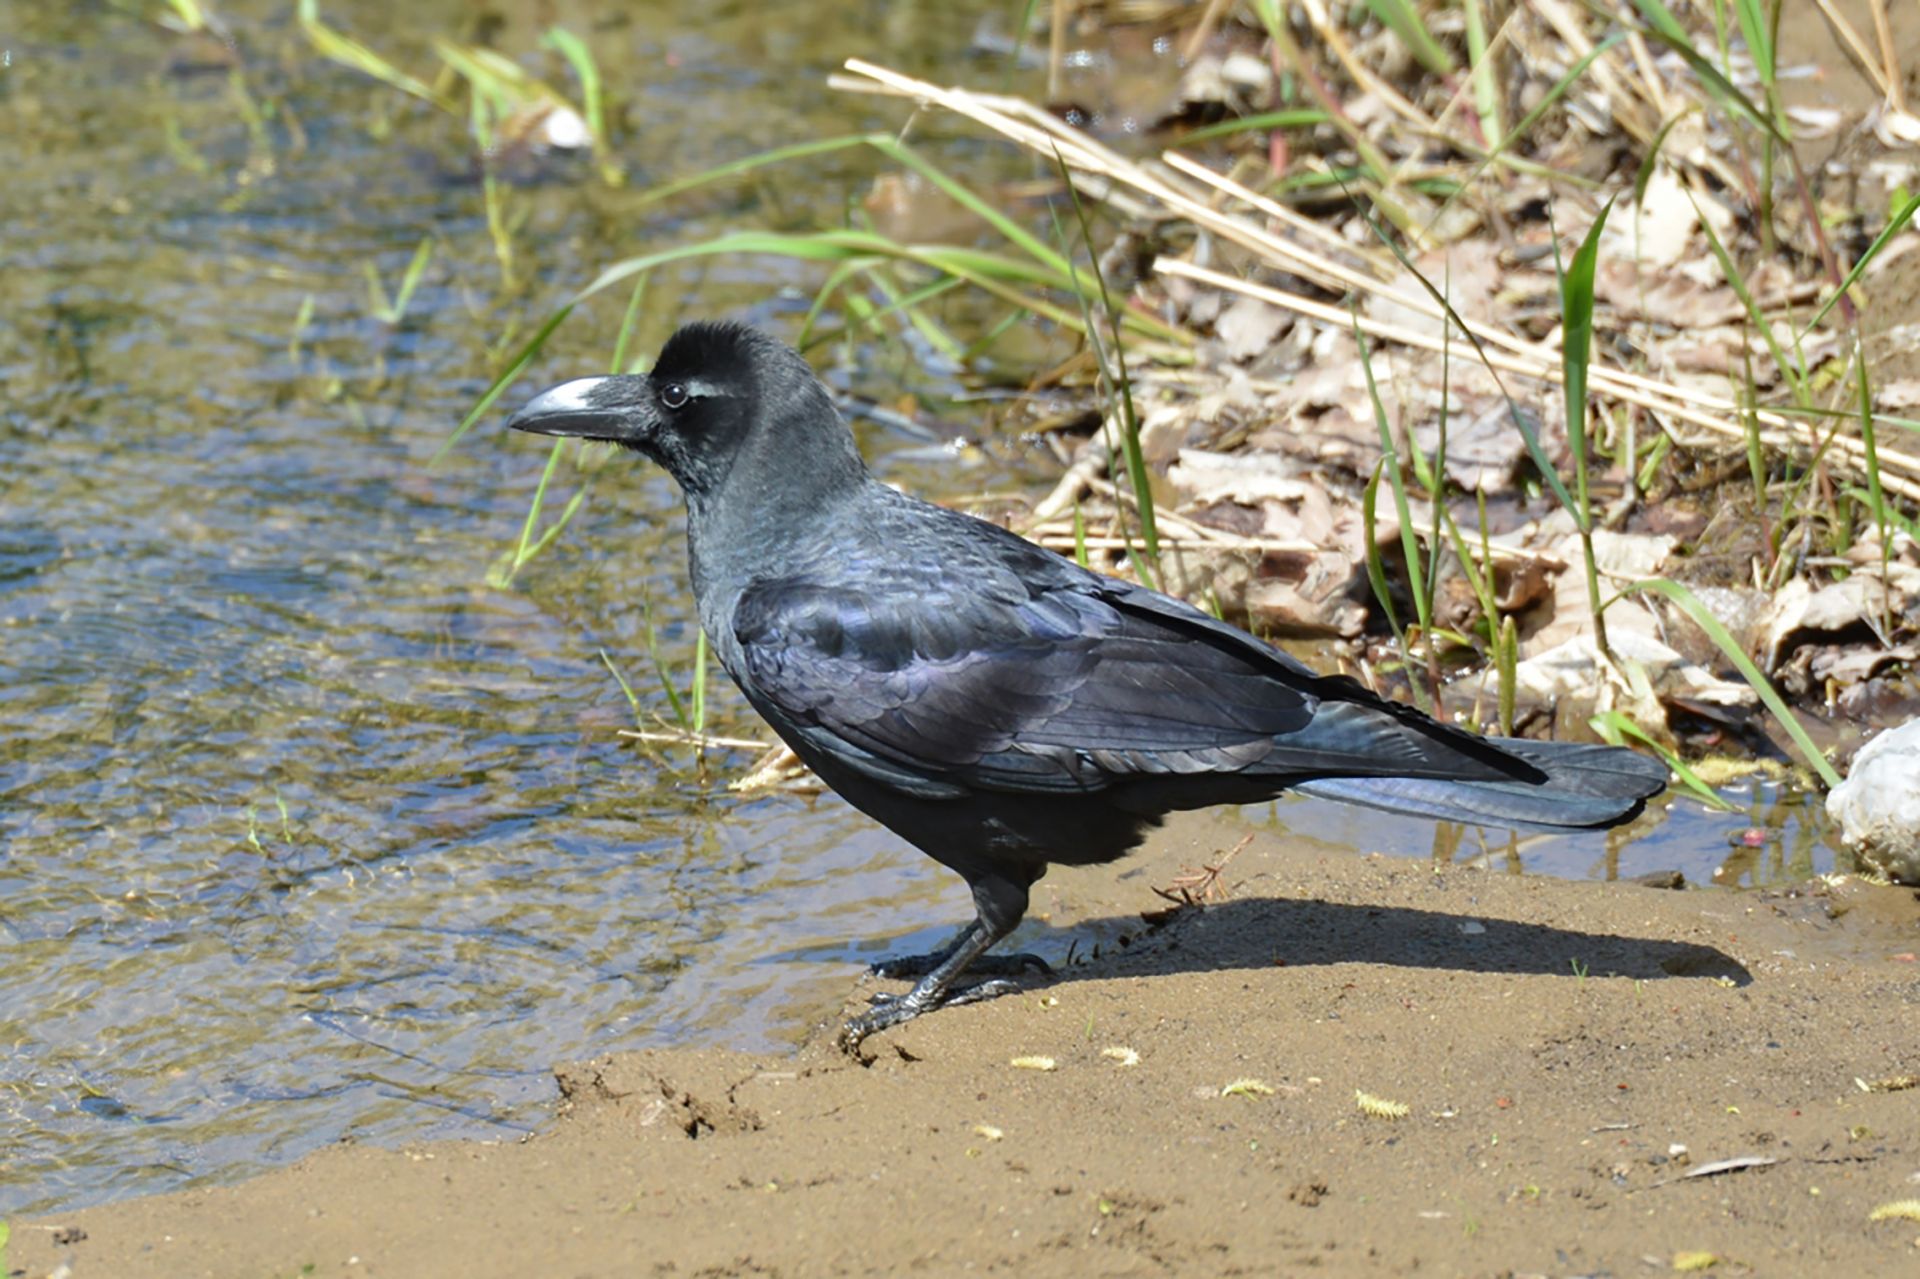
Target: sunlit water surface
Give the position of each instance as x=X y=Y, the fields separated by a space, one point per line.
x=308 y=831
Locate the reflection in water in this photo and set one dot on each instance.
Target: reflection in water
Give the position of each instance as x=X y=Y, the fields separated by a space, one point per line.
x=308 y=832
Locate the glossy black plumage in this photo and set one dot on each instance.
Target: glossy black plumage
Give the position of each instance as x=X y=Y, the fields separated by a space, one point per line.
x=990 y=701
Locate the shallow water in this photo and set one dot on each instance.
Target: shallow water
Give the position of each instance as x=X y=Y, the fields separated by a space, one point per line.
x=308 y=831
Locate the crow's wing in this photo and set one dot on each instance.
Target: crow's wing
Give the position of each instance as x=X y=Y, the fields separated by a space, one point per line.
x=1070 y=683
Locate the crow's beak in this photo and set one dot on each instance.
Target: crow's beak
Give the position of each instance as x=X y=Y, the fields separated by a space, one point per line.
x=570 y=409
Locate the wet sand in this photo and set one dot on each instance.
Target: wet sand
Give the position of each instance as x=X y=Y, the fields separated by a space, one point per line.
x=1566 y=1053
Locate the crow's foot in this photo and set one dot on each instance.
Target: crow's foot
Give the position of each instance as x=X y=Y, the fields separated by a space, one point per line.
x=895 y=1010
x=975 y=993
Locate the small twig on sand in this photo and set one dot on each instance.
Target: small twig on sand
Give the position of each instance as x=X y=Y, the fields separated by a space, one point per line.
x=1197 y=887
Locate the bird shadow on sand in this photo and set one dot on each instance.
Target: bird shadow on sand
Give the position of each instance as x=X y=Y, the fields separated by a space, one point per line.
x=1266 y=932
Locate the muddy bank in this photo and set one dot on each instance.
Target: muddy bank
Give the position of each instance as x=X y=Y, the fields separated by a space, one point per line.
x=1567 y=1053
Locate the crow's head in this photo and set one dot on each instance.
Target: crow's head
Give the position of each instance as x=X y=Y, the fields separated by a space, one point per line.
x=719 y=395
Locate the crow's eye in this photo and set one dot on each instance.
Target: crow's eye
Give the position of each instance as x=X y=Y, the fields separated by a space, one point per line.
x=673 y=395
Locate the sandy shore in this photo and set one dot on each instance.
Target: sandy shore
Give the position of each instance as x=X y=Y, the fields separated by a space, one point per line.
x=1555 y=1045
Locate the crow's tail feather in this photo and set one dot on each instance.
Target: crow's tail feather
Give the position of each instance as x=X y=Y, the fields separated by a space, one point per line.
x=1587 y=786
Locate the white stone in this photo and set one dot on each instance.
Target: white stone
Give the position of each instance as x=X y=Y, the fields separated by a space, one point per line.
x=1878 y=806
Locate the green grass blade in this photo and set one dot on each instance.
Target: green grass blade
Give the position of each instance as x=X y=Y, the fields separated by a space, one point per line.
x=532 y=521
x=1390 y=460
x=416 y=269
x=1372 y=160
x=1141 y=570
x=808 y=338
x=835 y=281
x=633 y=699
x=378 y=304
x=1706 y=621
x=1021 y=27
x=302 y=321
x=1877 y=498
x=660 y=672
x=1486 y=84
x=1015 y=234
x=1404 y=21
x=1376 y=564
x=500 y=88
x=1661 y=19
x=994 y=273
x=579 y=56
x=995 y=331
x=586 y=71
x=821 y=247
x=1540 y=108
x=529 y=545
x=1506 y=660
x=1651 y=161
x=1663 y=28
x=1889 y=513
x=1520 y=420
x=501 y=383
x=1576 y=351
x=697 y=695
x=905 y=302
x=1479 y=575
x=1893 y=228
x=628 y=323
x=1614 y=728
x=1758 y=33
x=191 y=18
x=1298 y=118
x=1792 y=370
x=1121 y=380
x=747 y=164
x=552 y=531
x=348 y=52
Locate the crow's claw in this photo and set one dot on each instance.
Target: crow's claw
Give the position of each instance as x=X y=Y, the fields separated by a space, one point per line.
x=895 y=1010
x=992 y=988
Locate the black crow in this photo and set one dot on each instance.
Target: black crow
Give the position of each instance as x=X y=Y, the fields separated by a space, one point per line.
x=993 y=703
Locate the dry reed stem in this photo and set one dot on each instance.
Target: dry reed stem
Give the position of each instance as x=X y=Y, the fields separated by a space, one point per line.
x=1883 y=30
x=1619 y=87
x=688 y=737
x=1274 y=209
x=1216 y=9
x=1462 y=94
x=1643 y=60
x=1856 y=47
x=1329 y=34
x=1016 y=119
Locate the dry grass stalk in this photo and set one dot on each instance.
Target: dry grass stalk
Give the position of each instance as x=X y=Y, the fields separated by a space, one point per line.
x=1620 y=87
x=1330 y=36
x=1855 y=47
x=1172 y=188
x=1657 y=397
x=1883 y=30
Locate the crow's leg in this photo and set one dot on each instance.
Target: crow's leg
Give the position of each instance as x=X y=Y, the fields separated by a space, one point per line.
x=1001 y=901
x=911 y=967
x=932 y=990
x=906 y=967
